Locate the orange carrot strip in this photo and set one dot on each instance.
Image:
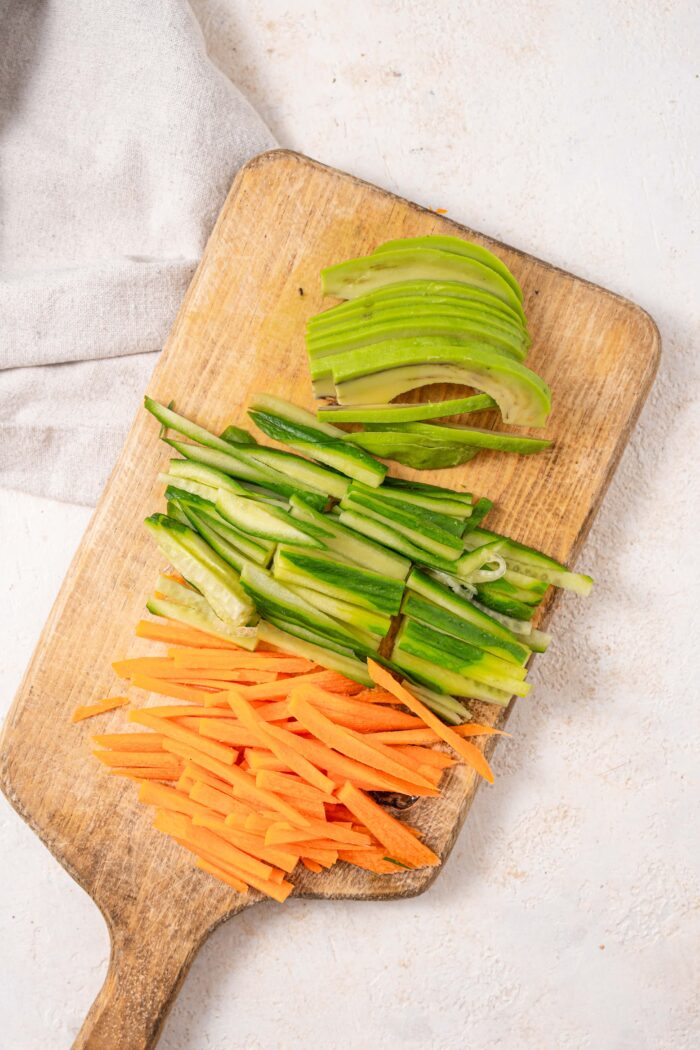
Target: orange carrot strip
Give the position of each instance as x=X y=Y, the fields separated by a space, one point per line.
x=291 y=786
x=312 y=865
x=280 y=833
x=100 y=708
x=217 y=801
x=168 y=688
x=182 y=827
x=429 y=736
x=209 y=659
x=175 y=731
x=341 y=768
x=426 y=756
x=244 y=787
x=314 y=810
x=221 y=874
x=169 y=798
x=228 y=732
x=130 y=741
x=376 y=717
x=189 y=711
x=348 y=742
x=259 y=759
x=369 y=861
x=151 y=666
x=375 y=695
x=469 y=752
x=134 y=759
x=399 y=843
x=176 y=634
x=254 y=845
x=147 y=772
x=278 y=891
x=276 y=740
x=198 y=773
x=330 y=680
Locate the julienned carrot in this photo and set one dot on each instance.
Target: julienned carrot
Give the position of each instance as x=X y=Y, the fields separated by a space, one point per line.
x=370 y=860
x=399 y=843
x=130 y=741
x=189 y=711
x=216 y=800
x=221 y=874
x=167 y=688
x=147 y=772
x=175 y=634
x=357 y=715
x=259 y=759
x=279 y=833
x=249 y=843
x=426 y=756
x=134 y=759
x=469 y=752
x=278 y=892
x=169 y=728
x=330 y=680
x=429 y=736
x=164 y=797
x=227 y=732
x=341 y=768
x=100 y=708
x=291 y=786
x=151 y=666
x=182 y=827
x=193 y=658
x=275 y=740
x=312 y=865
x=347 y=742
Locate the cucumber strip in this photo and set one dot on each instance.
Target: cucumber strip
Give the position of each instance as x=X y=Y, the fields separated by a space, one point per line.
x=310 y=477
x=245 y=467
x=419 y=608
x=203 y=475
x=321 y=572
x=382 y=371
x=232 y=555
x=400 y=413
x=426 y=587
x=534 y=563
x=270 y=523
x=469 y=565
x=460 y=247
x=432 y=517
x=233 y=435
x=202 y=620
x=428 y=490
x=538 y=641
x=452 y=654
x=476 y=437
x=467 y=328
x=347 y=665
x=435 y=293
x=375 y=527
x=181 y=485
x=274 y=599
x=174 y=421
x=368 y=621
x=349 y=545
x=490 y=595
x=422 y=533
x=446 y=707
x=333 y=452
x=174 y=510
x=436 y=504
x=307 y=635
x=529 y=588
x=277 y=406
x=349 y=279
x=479 y=512
x=444 y=681
x=198 y=563
x=259 y=550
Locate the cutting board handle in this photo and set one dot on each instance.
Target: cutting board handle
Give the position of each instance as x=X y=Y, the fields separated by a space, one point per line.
x=146 y=968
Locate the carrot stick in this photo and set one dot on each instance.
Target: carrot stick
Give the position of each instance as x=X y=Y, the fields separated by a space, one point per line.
x=375 y=717
x=168 y=688
x=100 y=708
x=217 y=801
x=190 y=711
x=130 y=741
x=312 y=865
x=330 y=680
x=469 y=752
x=375 y=695
x=276 y=741
x=259 y=759
x=349 y=743
x=169 y=798
x=222 y=875
x=252 y=844
x=151 y=666
x=278 y=891
x=198 y=773
x=210 y=658
x=228 y=732
x=147 y=772
x=429 y=736
x=174 y=731
x=176 y=634
x=134 y=759
x=314 y=810
x=426 y=756
x=369 y=861
x=184 y=783
x=181 y=827
x=399 y=843
x=291 y=786
x=279 y=833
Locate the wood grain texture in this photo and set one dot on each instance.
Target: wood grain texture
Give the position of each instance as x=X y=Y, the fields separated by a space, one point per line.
x=241 y=330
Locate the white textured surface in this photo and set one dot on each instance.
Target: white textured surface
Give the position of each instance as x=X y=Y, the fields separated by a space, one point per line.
x=567 y=916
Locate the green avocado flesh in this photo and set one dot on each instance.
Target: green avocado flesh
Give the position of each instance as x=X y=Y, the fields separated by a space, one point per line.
x=410 y=310
x=350 y=279
x=400 y=413
x=413 y=451
x=463 y=329
x=473 y=436
x=454 y=294
x=381 y=372
x=459 y=247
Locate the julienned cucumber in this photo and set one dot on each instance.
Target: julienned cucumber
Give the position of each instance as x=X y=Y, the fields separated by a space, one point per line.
x=269 y=523
x=399 y=413
x=344 y=611
x=445 y=681
x=321 y=572
x=533 y=563
x=433 y=515
x=438 y=616
x=460 y=607
x=347 y=665
x=309 y=476
x=419 y=530
x=206 y=621
x=198 y=563
x=203 y=475
x=376 y=528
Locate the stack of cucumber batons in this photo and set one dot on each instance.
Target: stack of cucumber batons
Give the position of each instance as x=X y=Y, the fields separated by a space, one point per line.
x=419 y=311
x=328 y=557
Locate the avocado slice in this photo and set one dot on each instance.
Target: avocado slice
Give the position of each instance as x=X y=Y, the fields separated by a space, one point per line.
x=476 y=437
x=400 y=413
x=414 y=451
x=349 y=279
x=409 y=308
x=461 y=328
x=448 y=292
x=460 y=247
x=384 y=370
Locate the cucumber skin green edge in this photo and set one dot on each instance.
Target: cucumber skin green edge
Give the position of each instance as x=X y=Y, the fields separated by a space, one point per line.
x=408 y=413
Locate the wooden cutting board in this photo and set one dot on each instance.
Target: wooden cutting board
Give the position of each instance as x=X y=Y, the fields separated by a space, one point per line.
x=241 y=330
